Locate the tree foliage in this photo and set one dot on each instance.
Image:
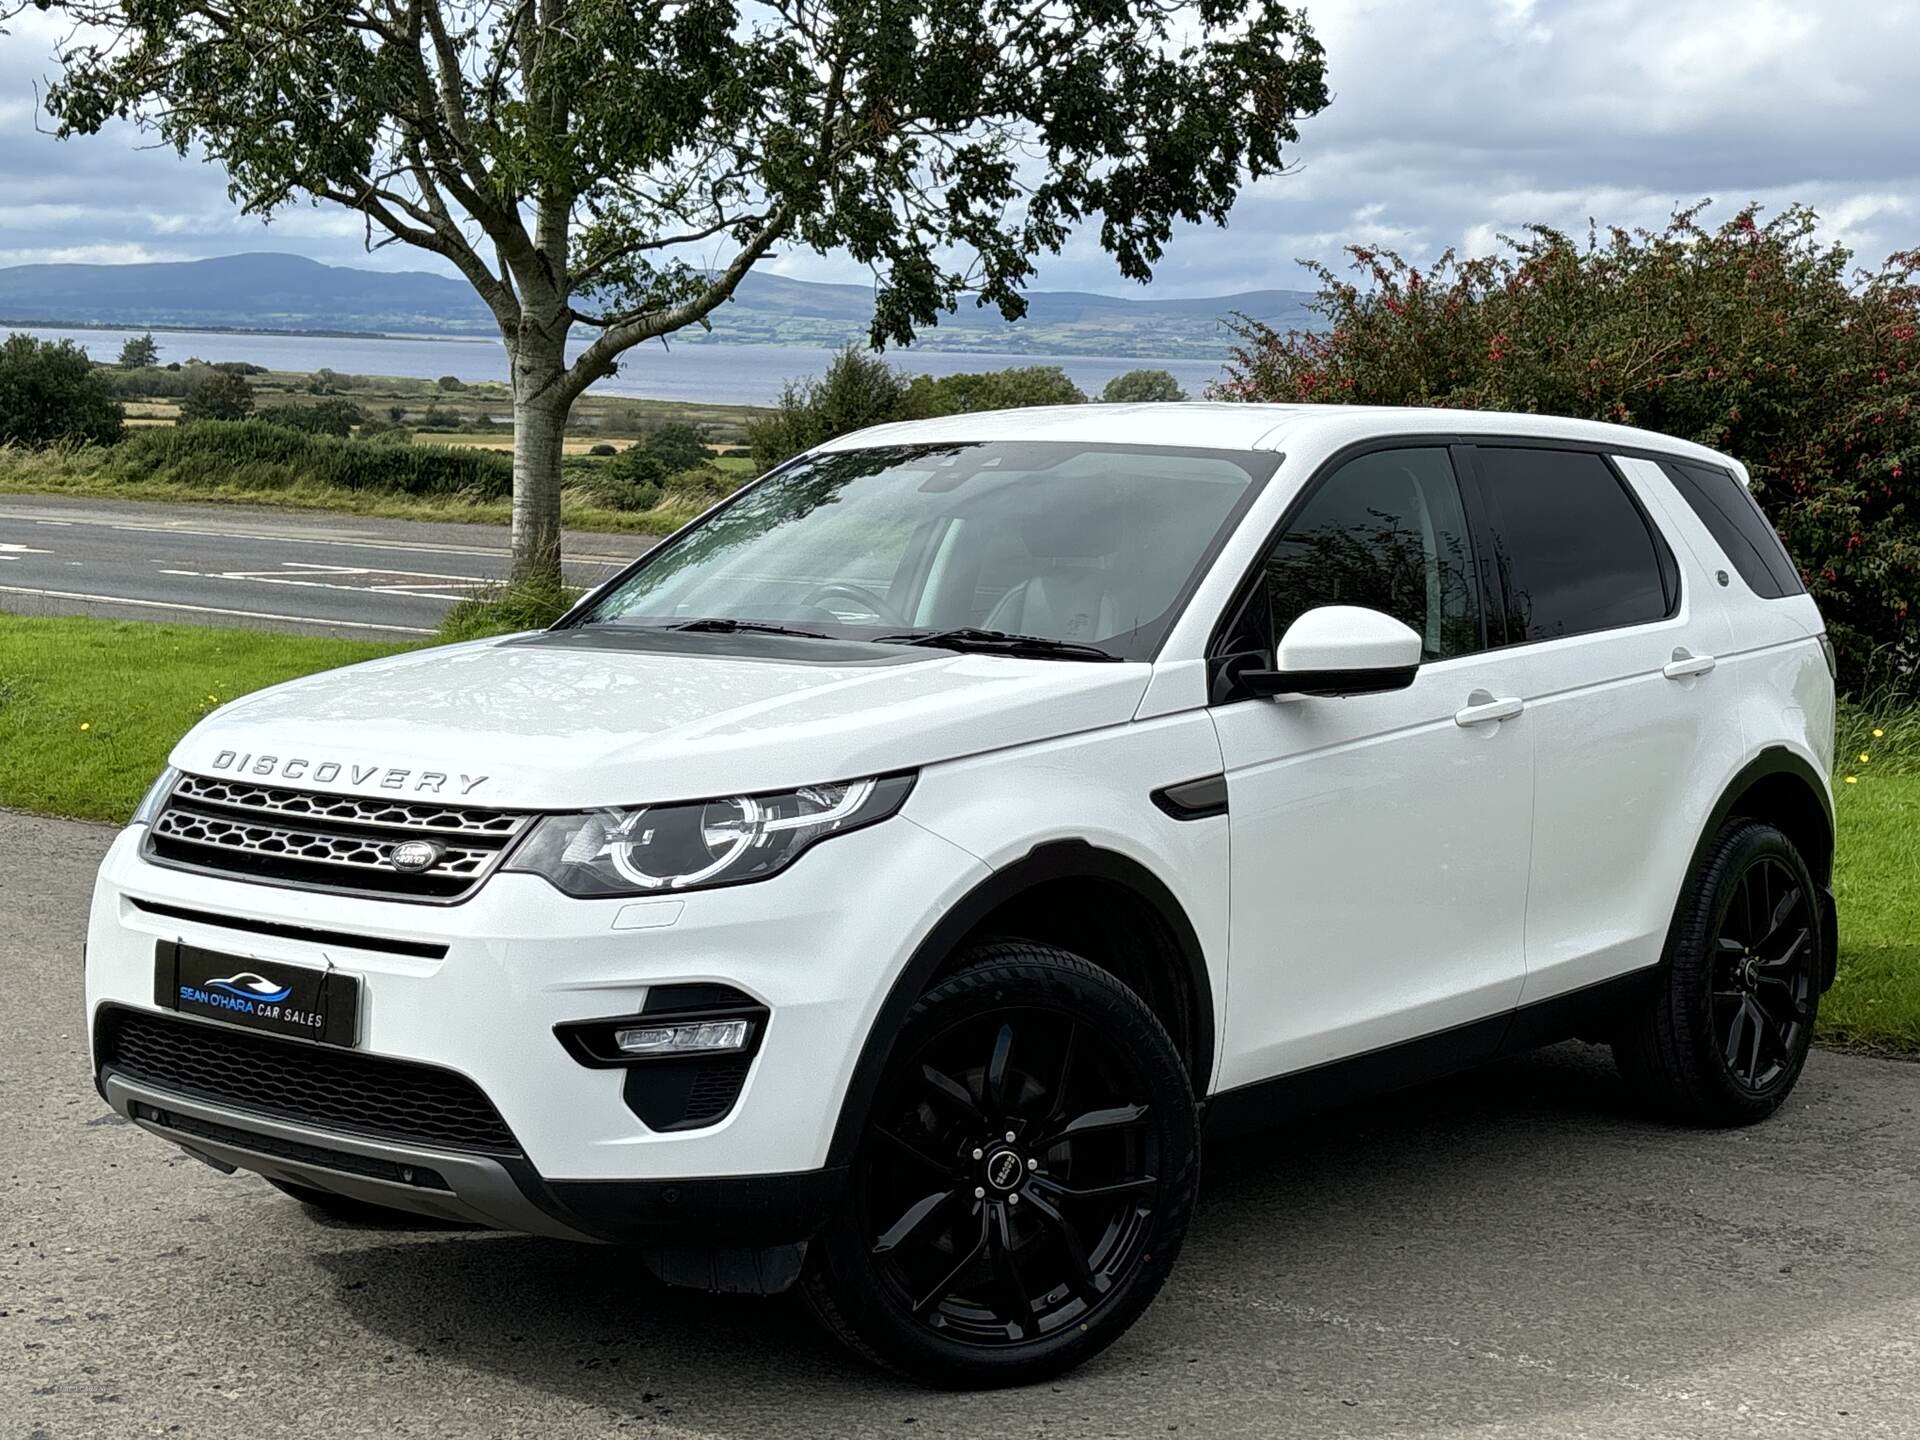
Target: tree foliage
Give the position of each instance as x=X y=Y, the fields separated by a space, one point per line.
x=860 y=389
x=218 y=395
x=1011 y=389
x=1141 y=387
x=1754 y=338
x=51 y=392
x=139 y=352
x=620 y=165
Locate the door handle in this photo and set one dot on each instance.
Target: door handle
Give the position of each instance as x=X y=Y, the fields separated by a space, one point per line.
x=1483 y=709
x=1685 y=663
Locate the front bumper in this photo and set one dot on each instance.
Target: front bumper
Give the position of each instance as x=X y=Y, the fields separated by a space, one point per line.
x=504 y=1193
x=811 y=945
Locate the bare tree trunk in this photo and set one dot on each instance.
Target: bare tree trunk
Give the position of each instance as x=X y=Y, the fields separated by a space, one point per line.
x=539 y=429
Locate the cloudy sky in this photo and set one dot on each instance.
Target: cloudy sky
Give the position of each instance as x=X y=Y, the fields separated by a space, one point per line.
x=1452 y=121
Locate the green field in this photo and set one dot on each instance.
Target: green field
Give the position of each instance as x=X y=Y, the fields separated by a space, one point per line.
x=90 y=708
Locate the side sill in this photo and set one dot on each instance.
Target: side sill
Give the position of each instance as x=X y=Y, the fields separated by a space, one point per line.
x=1264 y=1103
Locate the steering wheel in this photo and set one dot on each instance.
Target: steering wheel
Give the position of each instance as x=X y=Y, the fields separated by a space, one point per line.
x=860 y=595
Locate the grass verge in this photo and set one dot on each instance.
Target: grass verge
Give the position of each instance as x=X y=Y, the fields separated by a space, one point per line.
x=90 y=708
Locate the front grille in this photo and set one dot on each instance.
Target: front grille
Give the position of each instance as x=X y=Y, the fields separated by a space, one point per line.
x=329 y=842
x=301 y=1083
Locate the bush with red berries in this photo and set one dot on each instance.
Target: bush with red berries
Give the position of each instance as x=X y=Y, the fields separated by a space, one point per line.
x=1754 y=338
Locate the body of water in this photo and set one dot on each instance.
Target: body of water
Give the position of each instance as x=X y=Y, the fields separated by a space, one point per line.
x=715 y=373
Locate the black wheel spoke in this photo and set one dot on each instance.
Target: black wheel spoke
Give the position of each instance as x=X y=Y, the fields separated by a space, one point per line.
x=1008 y=1283
x=1058 y=1111
x=1782 y=966
x=917 y=1215
x=945 y=1285
x=1119 y=1117
x=950 y=1091
x=998 y=1064
x=1080 y=1273
x=906 y=1147
x=1053 y=1188
x=1736 y=1035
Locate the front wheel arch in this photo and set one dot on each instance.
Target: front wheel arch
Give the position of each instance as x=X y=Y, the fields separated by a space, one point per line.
x=1052 y=863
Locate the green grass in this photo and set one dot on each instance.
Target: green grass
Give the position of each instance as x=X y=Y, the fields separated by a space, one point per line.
x=1875 y=1004
x=90 y=708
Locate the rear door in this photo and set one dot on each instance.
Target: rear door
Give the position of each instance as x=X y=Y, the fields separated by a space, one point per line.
x=1615 y=653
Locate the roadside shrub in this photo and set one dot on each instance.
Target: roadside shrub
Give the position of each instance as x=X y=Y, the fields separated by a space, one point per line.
x=253 y=455
x=1753 y=338
x=858 y=389
x=1141 y=387
x=506 y=610
x=603 y=449
x=221 y=395
x=328 y=417
x=436 y=418
x=51 y=392
x=451 y=382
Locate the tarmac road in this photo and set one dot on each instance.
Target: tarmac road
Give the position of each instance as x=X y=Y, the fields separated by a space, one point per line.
x=1513 y=1254
x=306 y=572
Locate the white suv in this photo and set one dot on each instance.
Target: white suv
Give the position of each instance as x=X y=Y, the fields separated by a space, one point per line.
x=883 y=885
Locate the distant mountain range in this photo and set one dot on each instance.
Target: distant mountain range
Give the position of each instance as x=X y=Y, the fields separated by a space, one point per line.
x=292 y=293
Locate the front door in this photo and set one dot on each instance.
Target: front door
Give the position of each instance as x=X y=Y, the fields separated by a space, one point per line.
x=1379 y=843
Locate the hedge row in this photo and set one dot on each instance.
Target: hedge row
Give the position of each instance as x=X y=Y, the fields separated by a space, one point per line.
x=254 y=455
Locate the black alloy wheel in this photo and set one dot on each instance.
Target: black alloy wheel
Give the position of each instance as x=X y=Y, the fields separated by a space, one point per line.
x=1024 y=1179
x=1725 y=1030
x=1764 y=981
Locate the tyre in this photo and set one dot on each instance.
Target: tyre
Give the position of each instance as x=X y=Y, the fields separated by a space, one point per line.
x=1726 y=1035
x=1023 y=1182
x=346 y=1209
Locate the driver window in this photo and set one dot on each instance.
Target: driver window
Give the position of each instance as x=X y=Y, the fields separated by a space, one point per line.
x=1387 y=531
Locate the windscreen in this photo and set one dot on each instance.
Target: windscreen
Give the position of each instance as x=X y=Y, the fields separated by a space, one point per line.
x=1094 y=545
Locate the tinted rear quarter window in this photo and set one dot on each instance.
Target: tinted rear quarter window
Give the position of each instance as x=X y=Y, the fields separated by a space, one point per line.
x=1574 y=551
x=1734 y=519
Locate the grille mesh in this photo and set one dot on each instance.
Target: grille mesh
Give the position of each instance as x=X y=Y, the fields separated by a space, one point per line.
x=309 y=805
x=329 y=842
x=303 y=1083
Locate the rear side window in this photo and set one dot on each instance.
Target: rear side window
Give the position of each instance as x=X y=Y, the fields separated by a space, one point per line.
x=1734 y=518
x=1573 y=550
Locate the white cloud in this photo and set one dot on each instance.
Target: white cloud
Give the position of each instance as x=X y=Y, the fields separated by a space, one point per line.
x=1452 y=122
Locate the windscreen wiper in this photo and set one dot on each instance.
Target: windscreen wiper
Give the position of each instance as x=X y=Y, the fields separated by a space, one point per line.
x=718 y=625
x=999 y=642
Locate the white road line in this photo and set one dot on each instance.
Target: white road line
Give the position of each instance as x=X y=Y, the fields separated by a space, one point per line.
x=420 y=545
x=6 y=549
x=214 y=610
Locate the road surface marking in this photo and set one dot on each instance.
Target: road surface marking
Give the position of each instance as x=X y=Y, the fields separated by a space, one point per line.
x=7 y=549
x=420 y=545
x=214 y=610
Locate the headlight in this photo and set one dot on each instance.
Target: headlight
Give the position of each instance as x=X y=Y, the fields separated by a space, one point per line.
x=653 y=848
x=156 y=796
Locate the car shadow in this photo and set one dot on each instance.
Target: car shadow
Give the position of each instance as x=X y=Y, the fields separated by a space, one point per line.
x=1525 y=1218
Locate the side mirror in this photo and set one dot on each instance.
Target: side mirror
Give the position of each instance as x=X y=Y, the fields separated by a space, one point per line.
x=1340 y=650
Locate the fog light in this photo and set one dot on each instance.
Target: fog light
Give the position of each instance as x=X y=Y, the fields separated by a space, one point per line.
x=702 y=1037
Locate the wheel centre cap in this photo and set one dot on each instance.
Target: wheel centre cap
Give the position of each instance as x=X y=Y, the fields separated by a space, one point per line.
x=1004 y=1168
